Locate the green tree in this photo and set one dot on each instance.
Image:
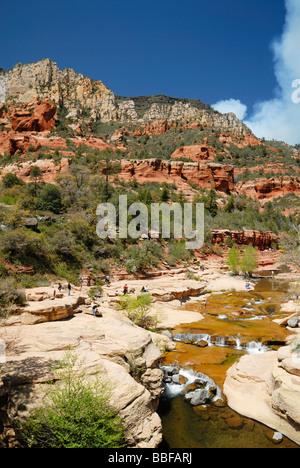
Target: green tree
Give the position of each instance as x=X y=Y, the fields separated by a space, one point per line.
x=75 y=414
x=141 y=257
x=26 y=247
x=49 y=199
x=229 y=207
x=211 y=202
x=35 y=176
x=10 y=179
x=165 y=194
x=249 y=260
x=233 y=259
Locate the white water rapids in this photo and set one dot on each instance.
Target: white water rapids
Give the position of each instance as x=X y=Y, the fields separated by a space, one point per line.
x=252 y=347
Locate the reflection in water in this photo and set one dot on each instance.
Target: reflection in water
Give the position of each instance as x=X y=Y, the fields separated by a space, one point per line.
x=212 y=427
x=235 y=323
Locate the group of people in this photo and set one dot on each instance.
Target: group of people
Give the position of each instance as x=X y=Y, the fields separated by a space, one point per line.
x=69 y=287
x=125 y=289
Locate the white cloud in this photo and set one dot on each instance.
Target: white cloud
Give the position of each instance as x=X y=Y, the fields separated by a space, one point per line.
x=279 y=118
x=231 y=105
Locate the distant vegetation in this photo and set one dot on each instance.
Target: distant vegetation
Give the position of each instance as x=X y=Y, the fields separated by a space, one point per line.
x=64 y=239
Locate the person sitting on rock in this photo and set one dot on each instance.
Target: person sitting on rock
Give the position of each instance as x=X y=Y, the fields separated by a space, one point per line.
x=96 y=313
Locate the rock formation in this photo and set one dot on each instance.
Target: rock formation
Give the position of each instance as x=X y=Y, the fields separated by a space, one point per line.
x=195 y=153
x=49 y=169
x=110 y=346
x=75 y=92
x=66 y=88
x=208 y=176
x=269 y=188
x=35 y=117
x=266 y=388
x=260 y=239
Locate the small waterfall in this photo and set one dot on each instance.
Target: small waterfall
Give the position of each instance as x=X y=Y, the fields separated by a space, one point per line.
x=254 y=347
x=173 y=389
x=192 y=337
x=237 y=342
x=221 y=341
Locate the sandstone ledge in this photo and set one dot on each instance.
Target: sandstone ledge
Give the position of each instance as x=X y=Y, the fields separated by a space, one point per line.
x=105 y=345
x=261 y=388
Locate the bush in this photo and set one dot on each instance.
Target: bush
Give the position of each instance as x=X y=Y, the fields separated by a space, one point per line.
x=177 y=252
x=25 y=246
x=10 y=179
x=64 y=245
x=10 y=295
x=144 y=256
x=139 y=311
x=49 y=199
x=84 y=232
x=75 y=414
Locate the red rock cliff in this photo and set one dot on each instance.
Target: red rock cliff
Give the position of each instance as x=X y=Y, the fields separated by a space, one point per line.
x=202 y=175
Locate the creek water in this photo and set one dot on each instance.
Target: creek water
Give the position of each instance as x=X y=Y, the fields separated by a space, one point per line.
x=235 y=323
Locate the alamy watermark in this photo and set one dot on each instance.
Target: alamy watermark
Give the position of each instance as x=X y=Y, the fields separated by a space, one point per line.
x=296 y=93
x=179 y=221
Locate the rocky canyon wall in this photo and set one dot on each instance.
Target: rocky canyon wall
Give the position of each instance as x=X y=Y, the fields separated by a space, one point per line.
x=76 y=92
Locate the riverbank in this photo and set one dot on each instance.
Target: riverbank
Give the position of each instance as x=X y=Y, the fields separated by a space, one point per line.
x=128 y=356
x=167 y=291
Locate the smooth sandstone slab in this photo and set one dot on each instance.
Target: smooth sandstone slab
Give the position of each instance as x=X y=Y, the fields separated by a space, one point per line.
x=258 y=388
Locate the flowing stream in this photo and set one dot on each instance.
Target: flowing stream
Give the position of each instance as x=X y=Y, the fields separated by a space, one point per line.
x=235 y=323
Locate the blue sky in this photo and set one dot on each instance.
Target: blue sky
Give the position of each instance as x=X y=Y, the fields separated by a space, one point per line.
x=209 y=50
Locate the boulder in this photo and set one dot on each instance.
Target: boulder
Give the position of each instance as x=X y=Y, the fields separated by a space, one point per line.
x=263 y=388
x=200 y=397
x=41 y=119
x=293 y=322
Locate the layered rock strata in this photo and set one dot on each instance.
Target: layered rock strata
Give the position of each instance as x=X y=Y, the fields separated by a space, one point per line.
x=269 y=188
x=260 y=239
x=211 y=175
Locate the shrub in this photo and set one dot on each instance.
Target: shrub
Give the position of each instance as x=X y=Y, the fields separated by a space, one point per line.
x=84 y=232
x=144 y=256
x=10 y=179
x=75 y=414
x=49 y=199
x=64 y=245
x=177 y=252
x=10 y=295
x=138 y=310
x=25 y=246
